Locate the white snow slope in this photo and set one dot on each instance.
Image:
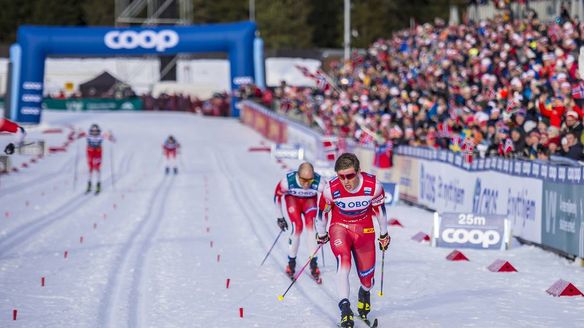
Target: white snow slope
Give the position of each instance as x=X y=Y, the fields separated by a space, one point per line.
x=151 y=242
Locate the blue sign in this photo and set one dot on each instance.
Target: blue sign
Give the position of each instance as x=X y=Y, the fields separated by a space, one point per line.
x=36 y=43
x=391 y=193
x=469 y=230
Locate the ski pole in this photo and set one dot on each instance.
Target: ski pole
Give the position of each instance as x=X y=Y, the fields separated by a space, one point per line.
x=274 y=244
x=76 y=161
x=322 y=254
x=112 y=166
x=281 y=297
x=382 y=265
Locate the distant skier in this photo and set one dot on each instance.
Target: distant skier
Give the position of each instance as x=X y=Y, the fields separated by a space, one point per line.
x=94 y=155
x=170 y=148
x=300 y=190
x=353 y=198
x=12 y=127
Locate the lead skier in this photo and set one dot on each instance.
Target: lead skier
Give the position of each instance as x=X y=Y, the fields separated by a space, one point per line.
x=352 y=199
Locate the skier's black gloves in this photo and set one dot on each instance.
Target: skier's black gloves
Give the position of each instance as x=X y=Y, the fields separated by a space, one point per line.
x=9 y=150
x=282 y=224
x=321 y=240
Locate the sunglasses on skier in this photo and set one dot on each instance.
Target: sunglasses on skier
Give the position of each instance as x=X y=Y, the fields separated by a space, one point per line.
x=347 y=176
x=309 y=181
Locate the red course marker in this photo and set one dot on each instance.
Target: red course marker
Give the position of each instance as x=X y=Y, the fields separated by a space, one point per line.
x=218 y=257
x=241 y=312
x=66 y=253
x=81 y=240
x=42 y=281
x=227 y=283
x=14 y=312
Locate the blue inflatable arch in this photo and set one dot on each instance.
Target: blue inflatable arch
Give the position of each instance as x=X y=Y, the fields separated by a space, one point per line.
x=35 y=43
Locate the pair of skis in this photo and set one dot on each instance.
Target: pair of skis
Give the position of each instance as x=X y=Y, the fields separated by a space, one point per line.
x=369 y=323
x=317 y=279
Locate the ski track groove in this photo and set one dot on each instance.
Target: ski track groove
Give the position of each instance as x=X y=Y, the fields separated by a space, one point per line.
x=25 y=231
x=236 y=186
x=35 y=181
x=112 y=294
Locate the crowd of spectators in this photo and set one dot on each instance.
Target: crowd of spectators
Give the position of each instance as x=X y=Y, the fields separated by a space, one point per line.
x=499 y=87
x=217 y=105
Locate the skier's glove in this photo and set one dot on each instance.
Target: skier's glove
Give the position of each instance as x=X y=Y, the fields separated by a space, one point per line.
x=321 y=240
x=282 y=224
x=384 y=241
x=9 y=150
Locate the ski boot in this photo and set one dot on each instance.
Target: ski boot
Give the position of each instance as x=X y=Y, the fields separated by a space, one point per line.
x=364 y=304
x=167 y=170
x=98 y=188
x=176 y=170
x=346 y=314
x=291 y=267
x=315 y=271
x=88 y=187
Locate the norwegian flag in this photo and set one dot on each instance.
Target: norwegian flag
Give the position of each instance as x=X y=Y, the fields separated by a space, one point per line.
x=304 y=70
x=456 y=141
x=511 y=106
x=467 y=149
x=444 y=130
x=508 y=147
x=578 y=91
x=491 y=94
x=321 y=80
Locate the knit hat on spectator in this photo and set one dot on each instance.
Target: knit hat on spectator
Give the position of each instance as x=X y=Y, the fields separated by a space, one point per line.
x=529 y=126
x=573 y=114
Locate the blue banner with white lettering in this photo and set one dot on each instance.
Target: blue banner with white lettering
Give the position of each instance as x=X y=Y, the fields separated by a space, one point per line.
x=470 y=230
x=37 y=43
x=563 y=213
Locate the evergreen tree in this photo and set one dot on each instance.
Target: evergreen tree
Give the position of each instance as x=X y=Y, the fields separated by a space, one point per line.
x=326 y=17
x=284 y=23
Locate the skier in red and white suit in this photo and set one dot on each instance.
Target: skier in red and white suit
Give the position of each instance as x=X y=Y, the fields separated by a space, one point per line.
x=12 y=127
x=352 y=199
x=170 y=149
x=94 y=154
x=300 y=189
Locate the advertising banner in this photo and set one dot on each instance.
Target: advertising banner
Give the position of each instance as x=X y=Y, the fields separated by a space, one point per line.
x=563 y=210
x=469 y=230
x=281 y=151
x=407 y=174
x=77 y=105
x=391 y=193
x=519 y=198
x=443 y=187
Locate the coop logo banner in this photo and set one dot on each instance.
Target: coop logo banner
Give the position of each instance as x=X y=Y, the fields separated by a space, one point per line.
x=469 y=230
x=147 y=39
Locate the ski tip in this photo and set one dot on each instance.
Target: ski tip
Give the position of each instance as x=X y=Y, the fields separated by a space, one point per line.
x=375 y=323
x=280 y=297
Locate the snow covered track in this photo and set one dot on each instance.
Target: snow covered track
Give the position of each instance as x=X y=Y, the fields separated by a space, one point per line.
x=121 y=299
x=157 y=250
x=31 y=227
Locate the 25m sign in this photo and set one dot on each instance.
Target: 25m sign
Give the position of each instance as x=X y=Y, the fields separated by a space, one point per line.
x=470 y=230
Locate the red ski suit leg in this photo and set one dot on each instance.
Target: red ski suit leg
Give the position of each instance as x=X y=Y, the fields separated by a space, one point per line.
x=297 y=208
x=356 y=240
x=94 y=159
